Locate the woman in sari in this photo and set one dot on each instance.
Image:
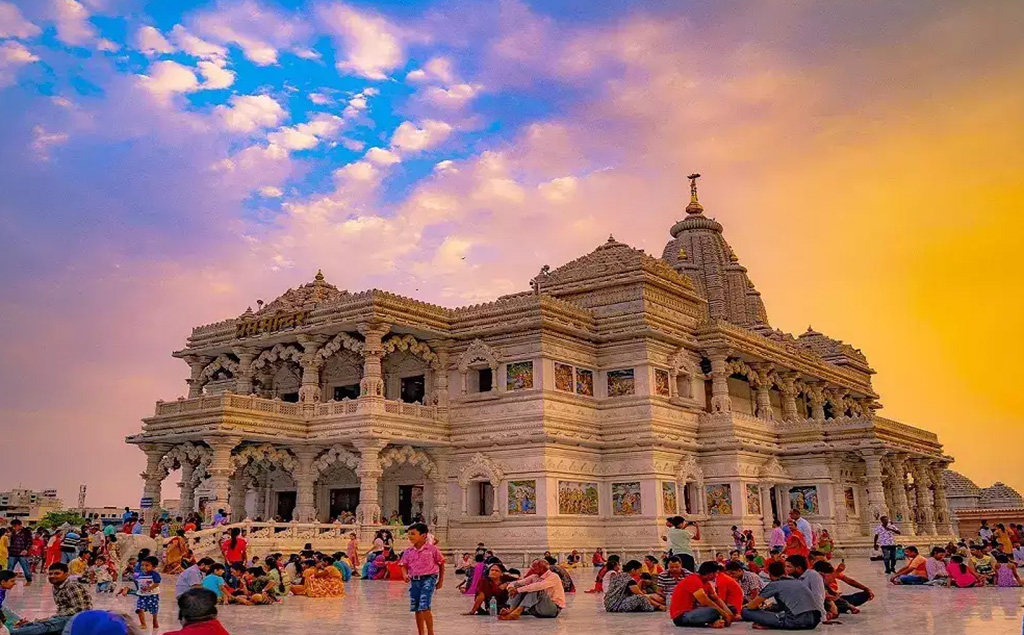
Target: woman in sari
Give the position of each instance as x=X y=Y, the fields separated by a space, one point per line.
x=476 y=576
x=796 y=543
x=321 y=581
x=53 y=549
x=177 y=548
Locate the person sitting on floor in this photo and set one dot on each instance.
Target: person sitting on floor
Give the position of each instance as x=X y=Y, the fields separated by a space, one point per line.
x=729 y=590
x=915 y=571
x=668 y=579
x=70 y=597
x=1006 y=572
x=610 y=566
x=493 y=586
x=563 y=574
x=797 y=608
x=695 y=602
x=625 y=595
x=960 y=575
x=982 y=565
x=197 y=612
x=598 y=558
x=652 y=566
x=321 y=580
x=936 y=567
x=539 y=594
x=749 y=581
x=574 y=560
x=849 y=602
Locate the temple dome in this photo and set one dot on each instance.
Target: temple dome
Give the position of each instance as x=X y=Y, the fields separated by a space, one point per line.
x=698 y=250
x=1001 y=496
x=959 y=485
x=306 y=297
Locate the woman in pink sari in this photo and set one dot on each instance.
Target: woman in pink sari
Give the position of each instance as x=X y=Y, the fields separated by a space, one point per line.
x=478 y=576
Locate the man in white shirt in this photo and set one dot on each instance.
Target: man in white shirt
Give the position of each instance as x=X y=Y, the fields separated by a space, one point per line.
x=885 y=538
x=985 y=532
x=539 y=594
x=803 y=526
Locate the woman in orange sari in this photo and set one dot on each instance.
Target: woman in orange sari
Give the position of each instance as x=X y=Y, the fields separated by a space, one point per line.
x=796 y=543
x=53 y=549
x=177 y=548
x=323 y=581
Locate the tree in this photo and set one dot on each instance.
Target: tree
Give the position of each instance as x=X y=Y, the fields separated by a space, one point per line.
x=60 y=517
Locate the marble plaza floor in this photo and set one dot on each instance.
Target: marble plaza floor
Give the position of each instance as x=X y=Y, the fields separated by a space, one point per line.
x=381 y=608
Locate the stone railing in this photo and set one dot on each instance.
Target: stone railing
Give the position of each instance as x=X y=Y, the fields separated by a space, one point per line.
x=269 y=537
x=277 y=407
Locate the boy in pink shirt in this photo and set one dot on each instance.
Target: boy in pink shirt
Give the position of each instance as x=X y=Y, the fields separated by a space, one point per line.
x=423 y=567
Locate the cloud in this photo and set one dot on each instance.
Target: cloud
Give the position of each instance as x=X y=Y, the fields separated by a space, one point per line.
x=42 y=140
x=195 y=46
x=320 y=99
x=454 y=97
x=151 y=41
x=72 y=20
x=370 y=44
x=261 y=32
x=13 y=24
x=167 y=78
x=362 y=171
x=215 y=75
x=250 y=112
x=558 y=190
x=382 y=157
x=305 y=136
x=410 y=138
x=110 y=46
x=13 y=55
x=437 y=69
x=270 y=191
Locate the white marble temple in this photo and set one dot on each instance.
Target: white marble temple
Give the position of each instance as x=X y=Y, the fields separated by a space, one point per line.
x=381 y=608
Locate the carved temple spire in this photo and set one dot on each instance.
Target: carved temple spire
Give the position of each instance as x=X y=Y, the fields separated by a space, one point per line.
x=694 y=207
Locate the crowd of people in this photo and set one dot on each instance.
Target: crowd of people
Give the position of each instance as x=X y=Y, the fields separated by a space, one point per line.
x=794 y=585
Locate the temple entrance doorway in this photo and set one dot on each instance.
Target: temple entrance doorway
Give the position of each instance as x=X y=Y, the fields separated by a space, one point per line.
x=775 y=504
x=286 y=505
x=343 y=500
x=410 y=502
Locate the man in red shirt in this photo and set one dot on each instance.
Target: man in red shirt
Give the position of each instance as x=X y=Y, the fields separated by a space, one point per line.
x=197 y=612
x=730 y=592
x=695 y=603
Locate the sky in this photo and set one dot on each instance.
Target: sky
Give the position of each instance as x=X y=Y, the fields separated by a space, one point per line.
x=166 y=164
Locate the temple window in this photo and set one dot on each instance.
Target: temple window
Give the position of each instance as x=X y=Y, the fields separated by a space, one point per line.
x=351 y=391
x=413 y=389
x=485 y=498
x=290 y=397
x=481 y=380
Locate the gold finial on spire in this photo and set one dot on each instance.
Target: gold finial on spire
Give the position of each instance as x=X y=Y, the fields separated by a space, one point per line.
x=694 y=207
x=319 y=277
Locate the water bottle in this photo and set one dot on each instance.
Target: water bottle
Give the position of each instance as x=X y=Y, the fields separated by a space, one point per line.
x=492 y=608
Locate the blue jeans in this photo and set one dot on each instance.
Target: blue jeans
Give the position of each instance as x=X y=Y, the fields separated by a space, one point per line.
x=912 y=579
x=421 y=592
x=697 y=617
x=13 y=561
x=783 y=619
x=889 y=558
x=54 y=625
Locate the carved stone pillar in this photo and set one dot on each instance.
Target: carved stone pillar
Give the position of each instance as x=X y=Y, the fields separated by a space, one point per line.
x=923 y=481
x=760 y=380
x=369 y=473
x=839 y=516
x=875 y=489
x=243 y=380
x=788 y=392
x=372 y=383
x=439 y=506
x=720 y=400
x=901 y=514
x=236 y=496
x=440 y=347
x=816 y=396
x=187 y=489
x=309 y=391
x=305 y=482
x=196 y=364
x=766 y=507
x=495 y=511
x=153 y=478
x=943 y=521
x=220 y=471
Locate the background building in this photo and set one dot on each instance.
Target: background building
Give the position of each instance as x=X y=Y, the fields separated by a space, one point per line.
x=971 y=504
x=28 y=505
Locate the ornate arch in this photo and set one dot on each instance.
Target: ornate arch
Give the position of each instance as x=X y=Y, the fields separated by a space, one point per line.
x=477 y=353
x=481 y=465
x=334 y=455
x=739 y=367
x=410 y=455
x=280 y=352
x=772 y=471
x=199 y=456
x=223 y=362
x=264 y=455
x=339 y=342
x=413 y=345
x=689 y=471
x=681 y=362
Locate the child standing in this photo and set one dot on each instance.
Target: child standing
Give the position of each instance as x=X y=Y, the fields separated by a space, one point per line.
x=423 y=567
x=148 y=580
x=353 y=551
x=102 y=576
